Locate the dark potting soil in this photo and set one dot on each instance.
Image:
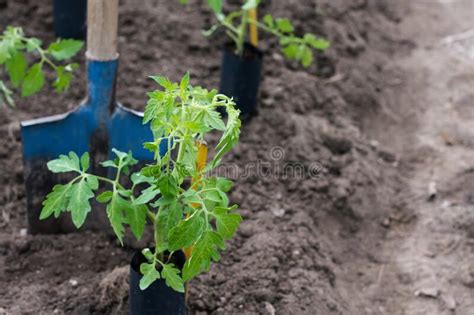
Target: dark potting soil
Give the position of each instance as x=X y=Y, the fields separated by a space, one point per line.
x=304 y=230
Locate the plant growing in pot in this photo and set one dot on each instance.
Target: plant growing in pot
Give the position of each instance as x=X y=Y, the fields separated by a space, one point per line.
x=15 y=48
x=187 y=207
x=242 y=61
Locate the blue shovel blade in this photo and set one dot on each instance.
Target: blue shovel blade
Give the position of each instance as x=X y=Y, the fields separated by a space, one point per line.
x=96 y=126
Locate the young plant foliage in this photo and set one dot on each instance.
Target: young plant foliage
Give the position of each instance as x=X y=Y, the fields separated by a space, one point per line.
x=236 y=25
x=185 y=205
x=16 y=50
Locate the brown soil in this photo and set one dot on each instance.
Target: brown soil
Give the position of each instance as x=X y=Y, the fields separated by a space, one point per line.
x=385 y=112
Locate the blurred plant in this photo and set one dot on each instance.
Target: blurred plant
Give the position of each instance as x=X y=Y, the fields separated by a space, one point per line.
x=236 y=25
x=14 y=48
x=197 y=216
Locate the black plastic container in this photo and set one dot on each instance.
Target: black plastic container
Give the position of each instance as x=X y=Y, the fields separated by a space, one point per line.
x=240 y=77
x=70 y=18
x=158 y=298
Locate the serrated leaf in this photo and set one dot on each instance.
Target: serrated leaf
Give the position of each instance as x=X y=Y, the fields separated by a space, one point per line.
x=115 y=212
x=316 y=43
x=139 y=178
x=136 y=218
x=79 y=202
x=33 y=81
x=146 y=195
x=65 y=164
x=65 y=48
x=104 y=197
x=226 y=223
x=215 y=5
x=167 y=218
x=63 y=79
x=224 y=184
x=150 y=275
x=172 y=277
x=213 y=119
x=284 y=25
x=56 y=201
x=184 y=82
x=268 y=20
x=205 y=251
x=185 y=233
x=92 y=181
x=290 y=51
x=33 y=44
x=307 y=57
x=85 y=161
x=16 y=68
x=109 y=163
x=168 y=185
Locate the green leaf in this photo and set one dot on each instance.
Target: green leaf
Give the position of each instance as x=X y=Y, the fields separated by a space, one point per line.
x=79 y=202
x=316 y=43
x=115 y=212
x=215 y=5
x=109 y=163
x=213 y=119
x=226 y=223
x=290 y=51
x=56 y=201
x=307 y=57
x=139 y=178
x=104 y=197
x=150 y=275
x=185 y=233
x=146 y=195
x=205 y=251
x=284 y=25
x=92 y=181
x=85 y=161
x=65 y=48
x=136 y=218
x=168 y=185
x=16 y=68
x=224 y=184
x=63 y=79
x=33 y=81
x=172 y=277
x=184 y=82
x=167 y=218
x=152 y=171
x=65 y=164
x=33 y=44
x=268 y=20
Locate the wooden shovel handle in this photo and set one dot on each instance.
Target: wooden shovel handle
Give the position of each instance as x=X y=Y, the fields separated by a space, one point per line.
x=102 y=25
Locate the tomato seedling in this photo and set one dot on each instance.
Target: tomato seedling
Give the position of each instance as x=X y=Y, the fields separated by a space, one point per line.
x=14 y=48
x=186 y=206
x=236 y=25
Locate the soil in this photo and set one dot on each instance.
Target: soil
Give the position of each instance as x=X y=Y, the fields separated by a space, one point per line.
x=380 y=218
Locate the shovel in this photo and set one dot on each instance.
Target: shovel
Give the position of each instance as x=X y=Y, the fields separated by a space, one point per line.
x=97 y=125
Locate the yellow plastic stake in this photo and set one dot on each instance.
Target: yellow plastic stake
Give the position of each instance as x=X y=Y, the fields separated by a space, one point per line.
x=253 y=28
x=201 y=160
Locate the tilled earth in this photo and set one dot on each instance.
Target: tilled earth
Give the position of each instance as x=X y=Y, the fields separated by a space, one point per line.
x=310 y=242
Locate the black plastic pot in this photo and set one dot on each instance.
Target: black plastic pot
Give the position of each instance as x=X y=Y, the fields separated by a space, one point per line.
x=70 y=18
x=158 y=298
x=240 y=77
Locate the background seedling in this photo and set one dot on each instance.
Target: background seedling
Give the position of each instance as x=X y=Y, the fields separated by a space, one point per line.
x=186 y=206
x=236 y=25
x=15 y=48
